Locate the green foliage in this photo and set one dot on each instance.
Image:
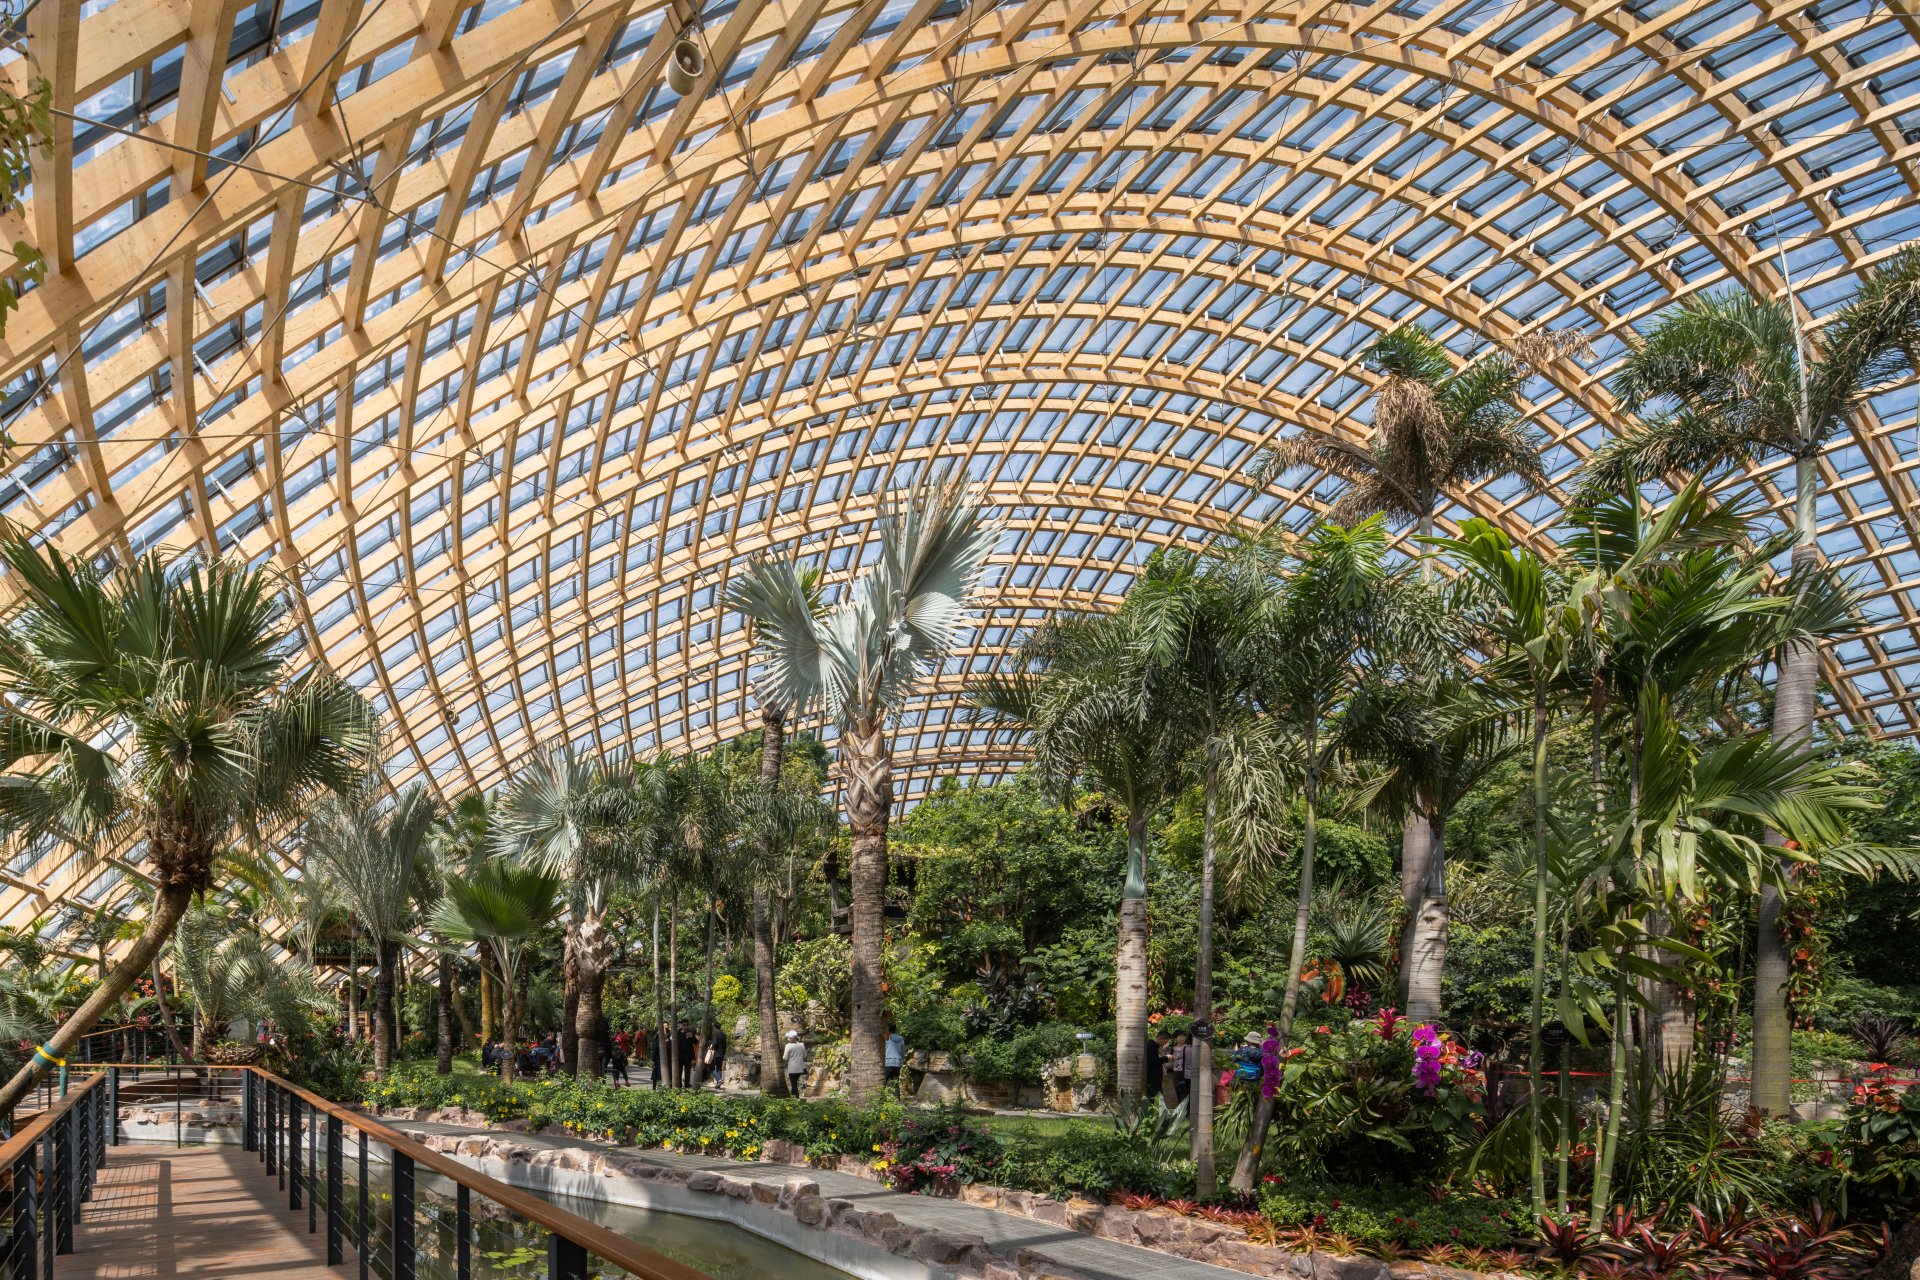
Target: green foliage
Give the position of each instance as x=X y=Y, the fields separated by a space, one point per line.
x=1020 y=1058
x=1407 y=1217
x=1876 y=1157
x=1487 y=976
x=818 y=970
x=938 y=1149
x=22 y=120
x=1347 y=1106
x=1090 y=1161
x=1003 y=871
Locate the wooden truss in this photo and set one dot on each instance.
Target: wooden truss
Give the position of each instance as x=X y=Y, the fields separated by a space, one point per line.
x=506 y=353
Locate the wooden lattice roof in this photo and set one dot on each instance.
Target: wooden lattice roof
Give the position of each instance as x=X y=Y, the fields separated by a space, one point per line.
x=506 y=352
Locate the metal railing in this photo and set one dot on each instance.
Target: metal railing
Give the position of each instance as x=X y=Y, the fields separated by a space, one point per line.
x=316 y=1151
x=49 y=1168
x=301 y=1140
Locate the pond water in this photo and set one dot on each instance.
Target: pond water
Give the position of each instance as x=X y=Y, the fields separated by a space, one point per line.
x=508 y=1249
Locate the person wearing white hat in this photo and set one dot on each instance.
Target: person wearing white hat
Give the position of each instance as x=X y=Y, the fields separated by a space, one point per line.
x=794 y=1056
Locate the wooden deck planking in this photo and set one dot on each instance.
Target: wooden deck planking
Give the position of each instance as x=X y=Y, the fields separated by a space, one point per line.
x=160 y=1212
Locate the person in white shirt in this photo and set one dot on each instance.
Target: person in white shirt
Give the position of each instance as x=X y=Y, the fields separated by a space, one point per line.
x=794 y=1056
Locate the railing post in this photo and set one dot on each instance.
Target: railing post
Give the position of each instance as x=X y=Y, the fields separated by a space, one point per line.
x=361 y=1234
x=26 y=1220
x=565 y=1259
x=403 y=1258
x=295 y=1133
x=80 y=1121
x=315 y=1122
x=463 y=1233
x=59 y=1157
x=267 y=1151
x=247 y=1141
x=334 y=1255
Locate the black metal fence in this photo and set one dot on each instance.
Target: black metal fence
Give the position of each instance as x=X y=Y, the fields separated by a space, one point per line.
x=49 y=1168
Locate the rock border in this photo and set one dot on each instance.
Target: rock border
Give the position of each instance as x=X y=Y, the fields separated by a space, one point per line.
x=1194 y=1239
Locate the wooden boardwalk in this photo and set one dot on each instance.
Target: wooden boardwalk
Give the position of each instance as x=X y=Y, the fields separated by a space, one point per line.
x=191 y=1211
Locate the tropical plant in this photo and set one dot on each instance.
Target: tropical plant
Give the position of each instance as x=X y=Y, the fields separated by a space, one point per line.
x=506 y=906
x=1338 y=614
x=862 y=659
x=566 y=816
x=159 y=702
x=25 y=122
x=1097 y=709
x=1435 y=427
x=373 y=851
x=229 y=974
x=1727 y=380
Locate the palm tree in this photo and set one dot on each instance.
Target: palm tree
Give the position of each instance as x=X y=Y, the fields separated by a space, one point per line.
x=1440 y=734
x=1097 y=708
x=159 y=703
x=862 y=659
x=503 y=905
x=563 y=815
x=375 y=853
x=1337 y=613
x=228 y=973
x=1729 y=380
x=1192 y=615
x=774 y=714
x=1514 y=583
x=1434 y=427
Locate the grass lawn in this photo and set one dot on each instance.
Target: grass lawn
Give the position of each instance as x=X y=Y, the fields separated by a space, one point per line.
x=1039 y=1126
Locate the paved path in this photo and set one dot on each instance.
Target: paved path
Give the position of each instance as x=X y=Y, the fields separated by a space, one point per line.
x=1004 y=1232
x=190 y=1211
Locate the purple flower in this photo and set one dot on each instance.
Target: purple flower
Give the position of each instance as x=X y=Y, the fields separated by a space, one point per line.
x=1426 y=1059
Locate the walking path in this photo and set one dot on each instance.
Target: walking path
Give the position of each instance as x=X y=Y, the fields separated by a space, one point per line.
x=1091 y=1256
x=164 y=1212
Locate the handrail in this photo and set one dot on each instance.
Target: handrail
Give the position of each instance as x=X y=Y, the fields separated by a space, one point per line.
x=607 y=1245
x=22 y=1143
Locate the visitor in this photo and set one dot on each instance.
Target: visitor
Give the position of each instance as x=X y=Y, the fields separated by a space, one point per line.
x=794 y=1057
x=686 y=1043
x=617 y=1066
x=896 y=1055
x=713 y=1060
x=1181 y=1062
x=1154 y=1076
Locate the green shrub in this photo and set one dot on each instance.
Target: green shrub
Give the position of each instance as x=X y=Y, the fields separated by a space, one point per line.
x=1410 y=1218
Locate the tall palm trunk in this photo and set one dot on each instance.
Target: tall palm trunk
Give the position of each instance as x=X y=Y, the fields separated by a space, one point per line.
x=1794 y=703
x=1537 y=1165
x=466 y=1040
x=593 y=951
x=868 y=760
x=489 y=1006
x=169 y=904
x=1130 y=966
x=388 y=954
x=166 y=1012
x=1416 y=841
x=1427 y=953
x=773 y=1080
x=1247 y=1168
x=510 y=1006
x=662 y=1033
x=353 y=983
x=1609 y=1152
x=1202 y=1051
x=670 y=1051
x=570 y=1000
x=443 y=1018
x=706 y=1010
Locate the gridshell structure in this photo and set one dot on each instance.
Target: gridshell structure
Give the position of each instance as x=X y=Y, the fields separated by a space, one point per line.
x=506 y=352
